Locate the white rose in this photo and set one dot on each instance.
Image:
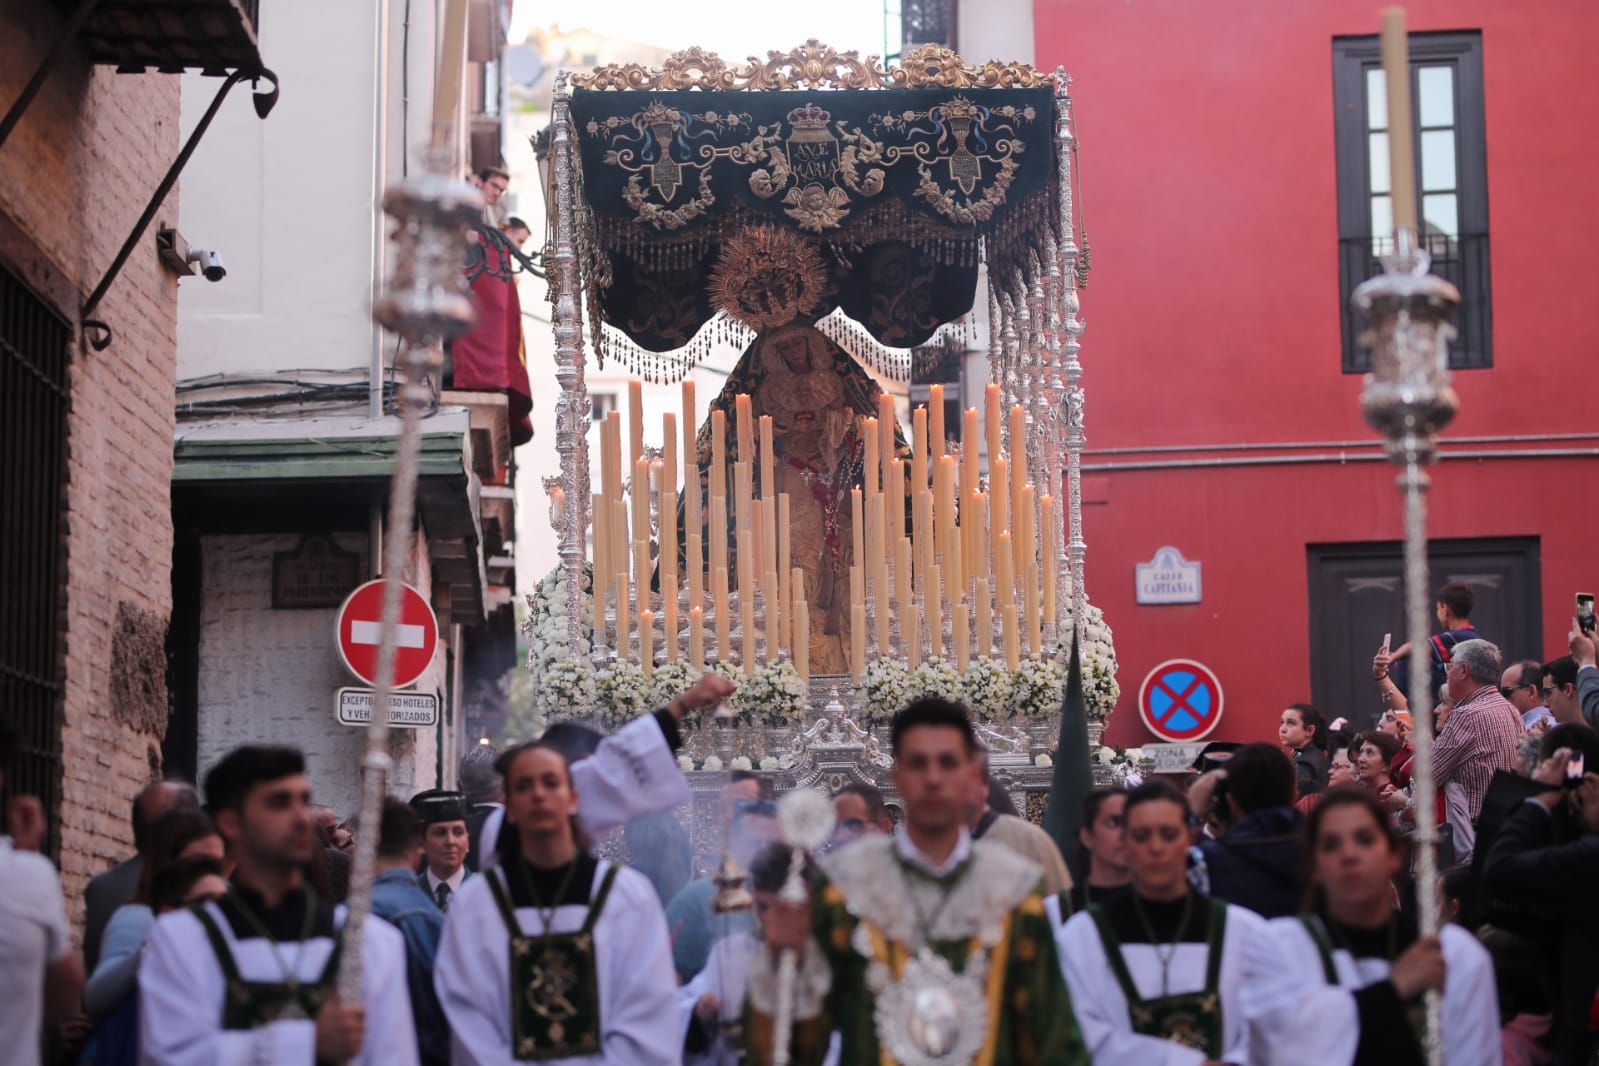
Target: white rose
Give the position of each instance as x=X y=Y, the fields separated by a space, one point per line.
x=741 y=762
x=1106 y=756
x=1135 y=755
x=1043 y=760
x=712 y=764
x=685 y=763
x=771 y=762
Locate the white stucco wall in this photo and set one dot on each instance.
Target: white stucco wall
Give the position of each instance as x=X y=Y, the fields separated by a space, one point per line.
x=288 y=201
x=271 y=676
x=995 y=29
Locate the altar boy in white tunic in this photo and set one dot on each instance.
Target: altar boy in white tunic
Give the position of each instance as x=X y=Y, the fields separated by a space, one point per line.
x=1347 y=978
x=1154 y=973
x=553 y=955
x=250 y=978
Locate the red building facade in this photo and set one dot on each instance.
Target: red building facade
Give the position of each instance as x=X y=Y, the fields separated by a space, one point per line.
x=1229 y=204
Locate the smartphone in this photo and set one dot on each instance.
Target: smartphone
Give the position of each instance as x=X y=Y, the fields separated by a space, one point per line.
x=1387 y=642
x=1585 y=618
x=1574 y=770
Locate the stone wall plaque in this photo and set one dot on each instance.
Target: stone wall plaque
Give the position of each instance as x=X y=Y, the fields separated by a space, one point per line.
x=316 y=573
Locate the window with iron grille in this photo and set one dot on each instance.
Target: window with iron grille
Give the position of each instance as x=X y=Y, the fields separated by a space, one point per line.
x=33 y=425
x=927 y=22
x=1450 y=147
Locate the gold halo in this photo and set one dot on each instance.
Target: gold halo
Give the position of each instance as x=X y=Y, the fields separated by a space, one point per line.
x=768 y=276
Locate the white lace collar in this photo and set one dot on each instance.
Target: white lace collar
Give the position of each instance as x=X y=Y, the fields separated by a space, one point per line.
x=907 y=849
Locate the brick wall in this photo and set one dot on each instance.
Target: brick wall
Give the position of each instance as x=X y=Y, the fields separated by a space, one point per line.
x=271 y=676
x=73 y=178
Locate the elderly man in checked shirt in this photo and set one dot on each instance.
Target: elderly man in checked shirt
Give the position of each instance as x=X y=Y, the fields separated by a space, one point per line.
x=1483 y=734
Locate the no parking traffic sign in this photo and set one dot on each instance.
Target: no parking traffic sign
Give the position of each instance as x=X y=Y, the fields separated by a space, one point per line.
x=1180 y=700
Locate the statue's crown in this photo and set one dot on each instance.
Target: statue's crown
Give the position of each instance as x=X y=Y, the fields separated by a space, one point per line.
x=809 y=117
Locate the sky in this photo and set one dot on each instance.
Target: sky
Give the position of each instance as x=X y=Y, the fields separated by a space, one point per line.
x=731 y=28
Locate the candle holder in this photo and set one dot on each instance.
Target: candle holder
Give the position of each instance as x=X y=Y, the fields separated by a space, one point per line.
x=1408 y=399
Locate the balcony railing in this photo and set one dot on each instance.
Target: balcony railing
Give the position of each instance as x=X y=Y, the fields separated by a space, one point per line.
x=1462 y=261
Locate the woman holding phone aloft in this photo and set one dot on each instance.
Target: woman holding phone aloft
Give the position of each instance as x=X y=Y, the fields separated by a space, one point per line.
x=1347 y=978
x=1154 y=973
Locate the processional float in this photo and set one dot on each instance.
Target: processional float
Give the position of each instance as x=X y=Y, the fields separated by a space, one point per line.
x=834 y=220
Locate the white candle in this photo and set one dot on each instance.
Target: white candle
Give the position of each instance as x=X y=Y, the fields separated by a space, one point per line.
x=857 y=641
x=962 y=637
x=985 y=619
x=635 y=420
x=646 y=641
x=913 y=638
x=669 y=635
x=1012 y=651
x=696 y=639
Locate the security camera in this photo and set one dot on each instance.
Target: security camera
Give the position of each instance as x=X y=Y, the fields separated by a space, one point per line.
x=210 y=262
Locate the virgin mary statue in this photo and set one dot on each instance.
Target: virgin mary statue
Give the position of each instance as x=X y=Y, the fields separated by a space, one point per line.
x=815 y=393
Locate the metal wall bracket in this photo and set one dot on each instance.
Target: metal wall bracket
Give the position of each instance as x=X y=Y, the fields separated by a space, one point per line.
x=95 y=332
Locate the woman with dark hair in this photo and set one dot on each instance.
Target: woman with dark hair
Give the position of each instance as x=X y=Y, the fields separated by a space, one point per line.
x=183 y=863
x=554 y=954
x=1103 y=871
x=1154 y=972
x=175 y=836
x=1347 y=977
x=1373 y=753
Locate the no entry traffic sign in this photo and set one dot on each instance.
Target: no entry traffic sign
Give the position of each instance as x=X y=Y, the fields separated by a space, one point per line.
x=360 y=624
x=1180 y=700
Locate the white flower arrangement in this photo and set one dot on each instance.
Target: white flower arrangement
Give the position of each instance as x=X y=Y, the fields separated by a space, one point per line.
x=565 y=690
x=546 y=622
x=671 y=679
x=1098 y=649
x=741 y=762
x=887 y=687
x=712 y=764
x=1106 y=756
x=1043 y=760
x=775 y=696
x=685 y=763
x=1037 y=688
x=1136 y=755
x=986 y=689
x=936 y=677
x=770 y=763
x=621 y=693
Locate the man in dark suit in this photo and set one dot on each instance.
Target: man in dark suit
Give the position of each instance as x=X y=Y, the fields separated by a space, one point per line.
x=109 y=890
x=444 y=844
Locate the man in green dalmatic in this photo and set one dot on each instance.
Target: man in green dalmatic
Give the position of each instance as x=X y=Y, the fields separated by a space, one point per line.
x=924 y=948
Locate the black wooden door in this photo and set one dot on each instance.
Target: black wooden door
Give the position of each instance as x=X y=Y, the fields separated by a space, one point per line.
x=1357 y=595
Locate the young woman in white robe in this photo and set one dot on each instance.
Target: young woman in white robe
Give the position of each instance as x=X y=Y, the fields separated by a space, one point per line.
x=1346 y=979
x=575 y=916
x=1154 y=972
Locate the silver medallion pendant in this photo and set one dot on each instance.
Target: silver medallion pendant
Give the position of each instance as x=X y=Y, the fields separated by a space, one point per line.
x=926 y=1018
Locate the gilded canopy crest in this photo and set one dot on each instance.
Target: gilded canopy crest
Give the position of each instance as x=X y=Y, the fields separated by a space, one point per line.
x=814 y=65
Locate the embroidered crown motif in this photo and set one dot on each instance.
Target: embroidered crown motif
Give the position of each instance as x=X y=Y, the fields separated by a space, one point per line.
x=809 y=117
